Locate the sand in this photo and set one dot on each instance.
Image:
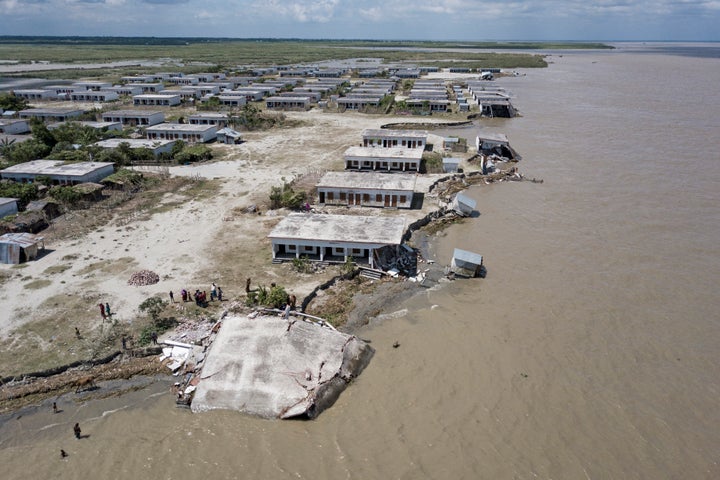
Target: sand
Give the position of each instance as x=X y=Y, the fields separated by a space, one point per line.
x=188 y=245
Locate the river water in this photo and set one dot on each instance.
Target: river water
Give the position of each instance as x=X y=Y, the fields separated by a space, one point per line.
x=590 y=350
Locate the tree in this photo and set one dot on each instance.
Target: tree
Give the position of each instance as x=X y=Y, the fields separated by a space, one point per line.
x=26 y=151
x=194 y=153
x=9 y=101
x=41 y=133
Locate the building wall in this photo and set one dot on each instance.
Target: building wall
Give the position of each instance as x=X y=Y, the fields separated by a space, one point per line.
x=365 y=197
x=9 y=208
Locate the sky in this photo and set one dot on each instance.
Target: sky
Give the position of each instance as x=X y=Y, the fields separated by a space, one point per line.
x=469 y=20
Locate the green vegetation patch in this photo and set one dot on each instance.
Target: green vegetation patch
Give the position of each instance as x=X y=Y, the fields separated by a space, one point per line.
x=37 y=284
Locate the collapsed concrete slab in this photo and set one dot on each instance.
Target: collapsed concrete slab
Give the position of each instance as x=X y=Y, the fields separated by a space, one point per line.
x=276 y=368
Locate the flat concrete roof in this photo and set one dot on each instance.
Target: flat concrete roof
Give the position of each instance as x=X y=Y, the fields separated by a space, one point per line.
x=381 y=152
x=131 y=113
x=180 y=127
x=388 y=133
x=368 y=180
x=56 y=167
x=341 y=228
x=5 y=201
x=493 y=137
x=272 y=367
x=51 y=111
x=220 y=116
x=133 y=142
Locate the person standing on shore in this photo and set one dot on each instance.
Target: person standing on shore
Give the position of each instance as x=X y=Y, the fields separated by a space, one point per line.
x=76 y=430
x=219 y=294
x=107 y=309
x=213 y=292
x=172 y=297
x=102 y=311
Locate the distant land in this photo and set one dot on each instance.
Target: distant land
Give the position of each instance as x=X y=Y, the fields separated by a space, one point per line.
x=81 y=40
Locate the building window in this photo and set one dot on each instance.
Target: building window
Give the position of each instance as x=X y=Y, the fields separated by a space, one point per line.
x=308 y=248
x=378 y=197
x=291 y=248
x=343 y=196
x=356 y=251
x=330 y=196
x=403 y=198
x=366 y=197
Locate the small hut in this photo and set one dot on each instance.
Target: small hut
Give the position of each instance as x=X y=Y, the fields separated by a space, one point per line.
x=17 y=248
x=466 y=264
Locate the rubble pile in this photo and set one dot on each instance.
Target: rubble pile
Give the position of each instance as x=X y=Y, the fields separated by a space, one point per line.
x=144 y=277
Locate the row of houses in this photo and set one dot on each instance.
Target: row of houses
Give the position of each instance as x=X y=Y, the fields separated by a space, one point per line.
x=335 y=238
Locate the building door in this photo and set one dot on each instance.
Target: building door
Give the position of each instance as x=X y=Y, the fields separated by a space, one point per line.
x=387 y=201
x=394 y=200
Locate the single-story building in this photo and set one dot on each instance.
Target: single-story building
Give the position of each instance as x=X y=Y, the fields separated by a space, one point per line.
x=489 y=143
x=379 y=158
x=466 y=264
x=134 y=118
x=463 y=205
x=335 y=238
x=59 y=172
x=8 y=206
x=182 y=131
x=157 y=100
x=355 y=103
x=35 y=94
x=232 y=100
x=17 y=248
x=450 y=164
x=288 y=103
x=107 y=126
x=428 y=104
x=49 y=208
x=367 y=189
x=208 y=118
x=229 y=136
x=150 y=87
x=51 y=114
x=95 y=85
x=13 y=126
x=387 y=138
x=94 y=96
x=125 y=90
x=155 y=146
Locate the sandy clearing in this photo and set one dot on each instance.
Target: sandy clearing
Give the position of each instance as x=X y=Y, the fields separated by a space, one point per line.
x=183 y=244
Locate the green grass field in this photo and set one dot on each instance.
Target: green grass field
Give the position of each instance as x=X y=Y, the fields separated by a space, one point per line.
x=235 y=55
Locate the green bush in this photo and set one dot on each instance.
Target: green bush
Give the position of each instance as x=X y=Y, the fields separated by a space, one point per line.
x=302 y=264
x=66 y=195
x=273 y=297
x=194 y=153
x=286 y=197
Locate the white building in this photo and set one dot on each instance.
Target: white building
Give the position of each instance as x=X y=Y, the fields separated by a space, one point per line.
x=367 y=189
x=94 y=96
x=12 y=126
x=168 y=100
x=155 y=146
x=8 y=206
x=182 y=131
x=134 y=118
x=387 y=159
x=335 y=238
x=387 y=138
x=51 y=114
x=59 y=172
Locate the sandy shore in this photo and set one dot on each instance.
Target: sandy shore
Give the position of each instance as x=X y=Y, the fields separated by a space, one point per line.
x=194 y=241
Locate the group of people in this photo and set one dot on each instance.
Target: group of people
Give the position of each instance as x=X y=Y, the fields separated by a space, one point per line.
x=200 y=297
x=105 y=310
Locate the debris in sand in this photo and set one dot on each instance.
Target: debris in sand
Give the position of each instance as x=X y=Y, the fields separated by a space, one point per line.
x=143 y=277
